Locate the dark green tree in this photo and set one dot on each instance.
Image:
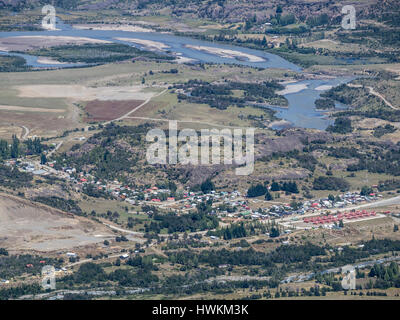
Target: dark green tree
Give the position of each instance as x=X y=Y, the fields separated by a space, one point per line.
x=43 y=159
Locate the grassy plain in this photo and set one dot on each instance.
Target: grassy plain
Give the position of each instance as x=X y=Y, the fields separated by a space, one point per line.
x=52 y=91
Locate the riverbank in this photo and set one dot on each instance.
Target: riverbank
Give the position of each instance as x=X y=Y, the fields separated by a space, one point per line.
x=45 y=60
x=148 y=44
x=112 y=27
x=323 y=88
x=293 y=88
x=280 y=124
x=33 y=42
x=227 y=53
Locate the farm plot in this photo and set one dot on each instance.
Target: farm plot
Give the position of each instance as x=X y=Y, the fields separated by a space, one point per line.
x=108 y=110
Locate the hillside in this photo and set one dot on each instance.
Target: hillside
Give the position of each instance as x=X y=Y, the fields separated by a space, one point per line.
x=29 y=226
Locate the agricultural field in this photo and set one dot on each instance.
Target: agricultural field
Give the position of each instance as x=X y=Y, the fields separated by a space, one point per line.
x=65 y=97
x=109 y=110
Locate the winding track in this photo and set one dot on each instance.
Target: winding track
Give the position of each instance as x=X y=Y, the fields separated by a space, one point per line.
x=374 y=93
x=24 y=135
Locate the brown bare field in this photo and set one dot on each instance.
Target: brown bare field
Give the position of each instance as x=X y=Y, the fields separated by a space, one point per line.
x=354 y=232
x=7 y=131
x=25 y=225
x=43 y=124
x=29 y=109
x=83 y=93
x=109 y=110
x=148 y=110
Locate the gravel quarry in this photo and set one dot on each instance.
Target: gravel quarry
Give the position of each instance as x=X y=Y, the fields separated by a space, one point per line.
x=25 y=225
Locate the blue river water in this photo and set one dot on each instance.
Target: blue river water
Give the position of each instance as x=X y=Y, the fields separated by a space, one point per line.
x=301 y=111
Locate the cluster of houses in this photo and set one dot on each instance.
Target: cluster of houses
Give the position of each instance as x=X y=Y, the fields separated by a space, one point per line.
x=27 y=166
x=334 y=218
x=234 y=204
x=341 y=201
x=240 y=208
x=349 y=198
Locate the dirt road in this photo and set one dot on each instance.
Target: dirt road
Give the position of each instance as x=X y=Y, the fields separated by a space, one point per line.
x=55 y=149
x=375 y=93
x=187 y=121
x=137 y=108
x=25 y=133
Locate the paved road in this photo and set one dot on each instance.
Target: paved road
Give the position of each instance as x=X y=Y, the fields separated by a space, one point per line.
x=376 y=204
x=305 y=277
x=59 y=294
x=140 y=234
x=90 y=259
x=380 y=203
